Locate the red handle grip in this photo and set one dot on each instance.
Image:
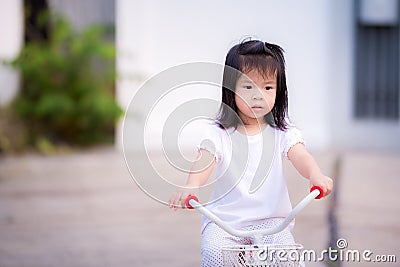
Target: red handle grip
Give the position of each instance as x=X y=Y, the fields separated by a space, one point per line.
x=321 y=191
x=189 y=197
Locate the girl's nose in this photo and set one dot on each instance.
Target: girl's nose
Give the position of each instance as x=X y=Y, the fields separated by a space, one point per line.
x=257 y=95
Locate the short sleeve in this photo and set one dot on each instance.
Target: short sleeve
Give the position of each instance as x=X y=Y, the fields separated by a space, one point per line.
x=211 y=140
x=291 y=137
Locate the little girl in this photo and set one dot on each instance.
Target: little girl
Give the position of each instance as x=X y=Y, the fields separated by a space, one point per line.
x=245 y=146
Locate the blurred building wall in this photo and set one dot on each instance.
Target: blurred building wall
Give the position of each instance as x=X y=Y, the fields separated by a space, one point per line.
x=317 y=35
x=159 y=34
x=84 y=13
x=11 y=41
x=346 y=130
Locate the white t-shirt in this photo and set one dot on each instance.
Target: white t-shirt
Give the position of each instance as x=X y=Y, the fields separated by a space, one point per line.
x=249 y=184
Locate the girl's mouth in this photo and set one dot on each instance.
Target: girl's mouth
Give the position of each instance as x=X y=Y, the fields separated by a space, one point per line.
x=257 y=108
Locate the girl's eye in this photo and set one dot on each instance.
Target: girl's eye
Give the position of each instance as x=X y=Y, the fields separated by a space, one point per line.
x=268 y=88
x=247 y=86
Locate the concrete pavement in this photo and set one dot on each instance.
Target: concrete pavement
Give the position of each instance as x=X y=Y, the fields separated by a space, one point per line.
x=83 y=209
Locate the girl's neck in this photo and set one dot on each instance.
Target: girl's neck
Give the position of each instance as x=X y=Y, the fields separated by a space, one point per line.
x=251 y=129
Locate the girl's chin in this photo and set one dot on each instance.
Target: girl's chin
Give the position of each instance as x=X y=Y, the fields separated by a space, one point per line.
x=259 y=115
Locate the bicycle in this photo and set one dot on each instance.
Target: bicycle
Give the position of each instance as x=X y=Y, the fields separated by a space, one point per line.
x=259 y=254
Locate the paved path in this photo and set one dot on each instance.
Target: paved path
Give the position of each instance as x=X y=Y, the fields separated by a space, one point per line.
x=83 y=209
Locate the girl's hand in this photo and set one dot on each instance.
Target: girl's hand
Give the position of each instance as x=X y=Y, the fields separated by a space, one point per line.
x=178 y=198
x=325 y=182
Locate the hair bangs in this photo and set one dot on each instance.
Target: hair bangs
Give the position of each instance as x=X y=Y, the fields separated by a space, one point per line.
x=264 y=65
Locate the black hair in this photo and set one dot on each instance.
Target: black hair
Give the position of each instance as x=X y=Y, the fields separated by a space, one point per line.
x=269 y=61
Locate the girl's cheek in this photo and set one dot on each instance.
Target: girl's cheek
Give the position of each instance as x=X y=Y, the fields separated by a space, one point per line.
x=241 y=97
x=245 y=96
x=271 y=104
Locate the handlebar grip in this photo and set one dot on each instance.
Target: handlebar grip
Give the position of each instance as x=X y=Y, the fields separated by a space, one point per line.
x=321 y=191
x=190 y=197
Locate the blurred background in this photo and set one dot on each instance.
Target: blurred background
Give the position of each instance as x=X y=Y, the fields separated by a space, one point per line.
x=70 y=68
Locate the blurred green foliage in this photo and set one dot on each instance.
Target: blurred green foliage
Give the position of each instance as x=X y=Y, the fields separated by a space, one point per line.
x=67 y=89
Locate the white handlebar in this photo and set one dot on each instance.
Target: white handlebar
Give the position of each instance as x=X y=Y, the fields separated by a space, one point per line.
x=257 y=235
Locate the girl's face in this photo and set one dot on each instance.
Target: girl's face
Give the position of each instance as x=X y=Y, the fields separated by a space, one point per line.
x=255 y=96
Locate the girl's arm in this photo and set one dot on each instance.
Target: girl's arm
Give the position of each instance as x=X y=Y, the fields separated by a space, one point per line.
x=306 y=165
x=199 y=174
